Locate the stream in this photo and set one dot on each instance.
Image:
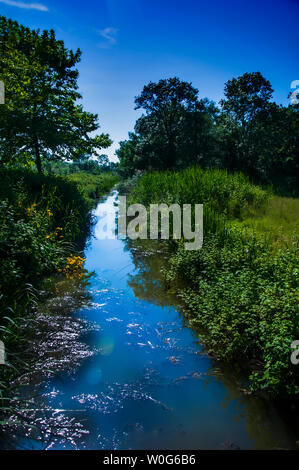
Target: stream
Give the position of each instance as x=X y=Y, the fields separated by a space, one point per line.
x=148 y=383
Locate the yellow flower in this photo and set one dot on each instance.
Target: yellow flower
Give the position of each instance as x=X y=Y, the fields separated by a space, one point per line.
x=74 y=267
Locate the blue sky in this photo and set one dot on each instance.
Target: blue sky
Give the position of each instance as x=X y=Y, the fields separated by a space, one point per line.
x=127 y=43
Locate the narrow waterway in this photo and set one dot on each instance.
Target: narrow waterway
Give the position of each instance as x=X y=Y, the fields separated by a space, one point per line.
x=148 y=384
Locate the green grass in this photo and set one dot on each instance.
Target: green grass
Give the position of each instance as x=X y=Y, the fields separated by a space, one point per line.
x=227 y=193
x=93 y=186
x=279 y=218
x=225 y=196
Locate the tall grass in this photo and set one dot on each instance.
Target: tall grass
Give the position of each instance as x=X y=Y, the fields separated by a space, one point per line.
x=227 y=192
x=93 y=186
x=224 y=195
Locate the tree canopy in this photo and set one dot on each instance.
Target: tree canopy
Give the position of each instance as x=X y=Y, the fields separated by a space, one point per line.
x=41 y=116
x=175 y=126
x=248 y=131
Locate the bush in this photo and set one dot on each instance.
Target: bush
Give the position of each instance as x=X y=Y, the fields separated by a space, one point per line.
x=243 y=302
x=41 y=219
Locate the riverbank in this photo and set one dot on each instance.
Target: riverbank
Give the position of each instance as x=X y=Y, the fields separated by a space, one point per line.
x=241 y=287
x=44 y=223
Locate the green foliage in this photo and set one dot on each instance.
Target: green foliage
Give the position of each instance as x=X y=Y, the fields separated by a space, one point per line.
x=126 y=186
x=277 y=220
x=176 y=125
x=225 y=193
x=91 y=166
x=93 y=186
x=41 y=115
x=246 y=96
x=240 y=289
x=248 y=133
x=41 y=219
x=258 y=136
x=244 y=303
x=128 y=155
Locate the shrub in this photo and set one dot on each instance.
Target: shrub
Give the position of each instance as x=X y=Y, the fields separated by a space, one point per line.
x=41 y=219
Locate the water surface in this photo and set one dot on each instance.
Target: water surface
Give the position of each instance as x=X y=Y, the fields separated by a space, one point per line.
x=148 y=384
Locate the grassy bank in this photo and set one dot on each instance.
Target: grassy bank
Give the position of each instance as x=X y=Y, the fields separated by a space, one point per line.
x=44 y=221
x=241 y=287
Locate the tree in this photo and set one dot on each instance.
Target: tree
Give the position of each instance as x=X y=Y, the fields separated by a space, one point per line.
x=41 y=116
x=129 y=155
x=245 y=98
x=174 y=130
x=256 y=135
x=277 y=145
x=250 y=134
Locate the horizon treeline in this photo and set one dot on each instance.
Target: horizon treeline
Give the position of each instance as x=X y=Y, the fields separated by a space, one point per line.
x=247 y=132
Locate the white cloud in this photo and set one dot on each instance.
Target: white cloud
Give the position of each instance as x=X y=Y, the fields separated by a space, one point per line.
x=28 y=6
x=109 y=34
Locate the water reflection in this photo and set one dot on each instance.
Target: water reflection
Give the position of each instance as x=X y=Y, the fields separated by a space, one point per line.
x=265 y=426
x=147 y=383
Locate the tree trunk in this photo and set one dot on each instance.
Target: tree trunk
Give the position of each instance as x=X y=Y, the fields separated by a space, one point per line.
x=37 y=155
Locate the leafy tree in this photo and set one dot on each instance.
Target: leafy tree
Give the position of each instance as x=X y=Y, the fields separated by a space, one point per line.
x=103 y=160
x=245 y=98
x=250 y=133
x=277 y=145
x=258 y=136
x=129 y=154
x=175 y=127
x=41 y=115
